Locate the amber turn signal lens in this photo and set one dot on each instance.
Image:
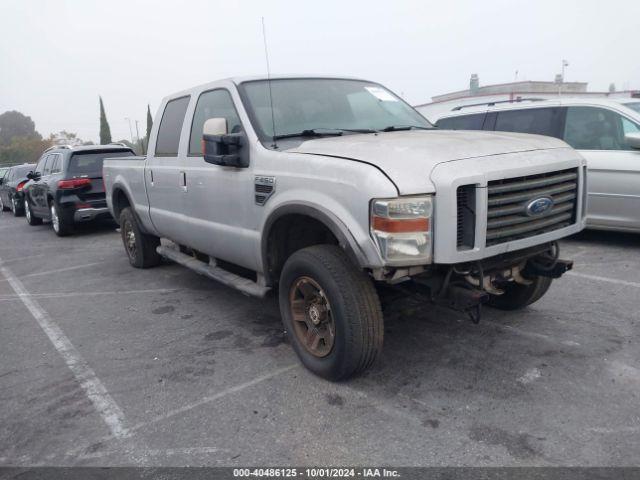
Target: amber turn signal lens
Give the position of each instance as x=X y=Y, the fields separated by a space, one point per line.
x=400 y=225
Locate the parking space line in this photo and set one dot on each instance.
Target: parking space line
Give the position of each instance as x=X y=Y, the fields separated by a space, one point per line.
x=213 y=398
x=106 y=407
x=4 y=298
x=48 y=272
x=28 y=257
x=604 y=279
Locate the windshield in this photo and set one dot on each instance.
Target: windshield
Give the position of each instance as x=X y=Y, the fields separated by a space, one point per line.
x=633 y=106
x=90 y=164
x=316 y=104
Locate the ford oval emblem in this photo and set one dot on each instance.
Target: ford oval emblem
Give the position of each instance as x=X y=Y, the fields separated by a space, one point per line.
x=538 y=206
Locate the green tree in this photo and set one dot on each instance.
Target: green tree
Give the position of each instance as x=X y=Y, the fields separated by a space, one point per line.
x=149 y=125
x=25 y=149
x=105 y=131
x=15 y=124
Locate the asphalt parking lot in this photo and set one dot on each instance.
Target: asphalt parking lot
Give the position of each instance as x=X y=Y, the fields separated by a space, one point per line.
x=103 y=364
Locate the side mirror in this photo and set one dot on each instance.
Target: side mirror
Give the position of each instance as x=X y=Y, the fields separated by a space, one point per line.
x=222 y=148
x=633 y=139
x=31 y=175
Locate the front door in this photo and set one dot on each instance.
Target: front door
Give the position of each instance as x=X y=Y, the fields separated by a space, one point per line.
x=38 y=190
x=614 y=167
x=164 y=177
x=219 y=198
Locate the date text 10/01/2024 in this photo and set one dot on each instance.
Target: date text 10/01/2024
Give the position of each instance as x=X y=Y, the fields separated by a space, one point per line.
x=316 y=472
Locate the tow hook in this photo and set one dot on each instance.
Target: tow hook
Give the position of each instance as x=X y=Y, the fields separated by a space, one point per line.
x=559 y=268
x=467 y=300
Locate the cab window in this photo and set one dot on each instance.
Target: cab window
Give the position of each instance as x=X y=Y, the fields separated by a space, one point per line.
x=40 y=166
x=464 y=122
x=212 y=104
x=168 y=139
x=593 y=128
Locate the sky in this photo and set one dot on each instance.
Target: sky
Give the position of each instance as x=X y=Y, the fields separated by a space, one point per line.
x=58 y=56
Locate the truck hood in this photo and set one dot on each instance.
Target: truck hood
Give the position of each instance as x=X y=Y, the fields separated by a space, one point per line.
x=409 y=157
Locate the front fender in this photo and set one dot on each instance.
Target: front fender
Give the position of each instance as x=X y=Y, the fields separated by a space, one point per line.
x=351 y=236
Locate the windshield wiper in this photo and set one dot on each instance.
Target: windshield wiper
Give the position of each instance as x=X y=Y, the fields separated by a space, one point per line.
x=321 y=132
x=397 y=128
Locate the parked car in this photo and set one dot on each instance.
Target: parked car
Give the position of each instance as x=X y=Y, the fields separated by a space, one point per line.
x=3 y=171
x=11 y=185
x=606 y=132
x=66 y=186
x=322 y=188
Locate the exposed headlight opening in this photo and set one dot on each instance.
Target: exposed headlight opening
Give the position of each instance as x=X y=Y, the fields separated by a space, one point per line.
x=402 y=229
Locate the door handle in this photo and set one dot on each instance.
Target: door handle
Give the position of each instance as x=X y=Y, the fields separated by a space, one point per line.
x=151 y=175
x=183 y=178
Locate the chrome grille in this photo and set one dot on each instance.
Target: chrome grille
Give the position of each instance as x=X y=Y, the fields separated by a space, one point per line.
x=507 y=217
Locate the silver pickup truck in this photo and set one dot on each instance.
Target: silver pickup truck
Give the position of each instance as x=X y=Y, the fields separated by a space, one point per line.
x=324 y=188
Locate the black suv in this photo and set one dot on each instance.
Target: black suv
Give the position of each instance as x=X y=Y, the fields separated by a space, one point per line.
x=66 y=186
x=11 y=195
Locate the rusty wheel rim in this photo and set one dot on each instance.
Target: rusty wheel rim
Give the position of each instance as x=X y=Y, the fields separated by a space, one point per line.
x=313 y=323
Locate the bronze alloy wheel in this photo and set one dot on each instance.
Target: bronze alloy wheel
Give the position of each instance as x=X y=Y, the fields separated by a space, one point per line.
x=313 y=322
x=129 y=236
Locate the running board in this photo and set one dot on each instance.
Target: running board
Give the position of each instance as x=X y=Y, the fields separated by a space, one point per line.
x=216 y=273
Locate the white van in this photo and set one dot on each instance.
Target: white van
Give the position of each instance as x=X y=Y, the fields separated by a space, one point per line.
x=605 y=131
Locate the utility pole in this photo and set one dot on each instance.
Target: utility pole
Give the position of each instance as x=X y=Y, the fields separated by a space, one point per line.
x=130 y=129
x=565 y=64
x=138 y=137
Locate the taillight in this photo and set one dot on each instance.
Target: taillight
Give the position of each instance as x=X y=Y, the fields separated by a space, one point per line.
x=21 y=186
x=74 y=183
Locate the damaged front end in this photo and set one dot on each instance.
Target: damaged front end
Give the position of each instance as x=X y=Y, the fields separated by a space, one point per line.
x=467 y=286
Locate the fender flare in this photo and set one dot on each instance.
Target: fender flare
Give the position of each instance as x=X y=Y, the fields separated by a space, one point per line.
x=123 y=189
x=328 y=219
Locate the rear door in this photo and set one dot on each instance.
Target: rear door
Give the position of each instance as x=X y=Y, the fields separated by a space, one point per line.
x=40 y=205
x=539 y=121
x=614 y=167
x=165 y=173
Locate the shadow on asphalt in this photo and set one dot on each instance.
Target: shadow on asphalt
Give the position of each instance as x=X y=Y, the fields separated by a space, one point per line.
x=95 y=228
x=603 y=237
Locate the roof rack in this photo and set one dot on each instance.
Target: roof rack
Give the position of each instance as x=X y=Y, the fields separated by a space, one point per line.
x=118 y=143
x=69 y=147
x=491 y=104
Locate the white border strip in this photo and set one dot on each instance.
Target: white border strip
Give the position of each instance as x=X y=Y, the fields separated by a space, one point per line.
x=108 y=409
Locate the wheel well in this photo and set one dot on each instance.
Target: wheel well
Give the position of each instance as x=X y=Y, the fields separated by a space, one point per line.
x=120 y=201
x=290 y=233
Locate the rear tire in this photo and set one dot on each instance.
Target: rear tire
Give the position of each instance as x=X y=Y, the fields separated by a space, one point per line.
x=517 y=296
x=60 y=221
x=31 y=218
x=140 y=247
x=320 y=287
x=16 y=207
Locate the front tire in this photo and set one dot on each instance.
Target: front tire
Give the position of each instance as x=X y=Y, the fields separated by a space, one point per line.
x=31 y=218
x=140 y=247
x=331 y=312
x=517 y=296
